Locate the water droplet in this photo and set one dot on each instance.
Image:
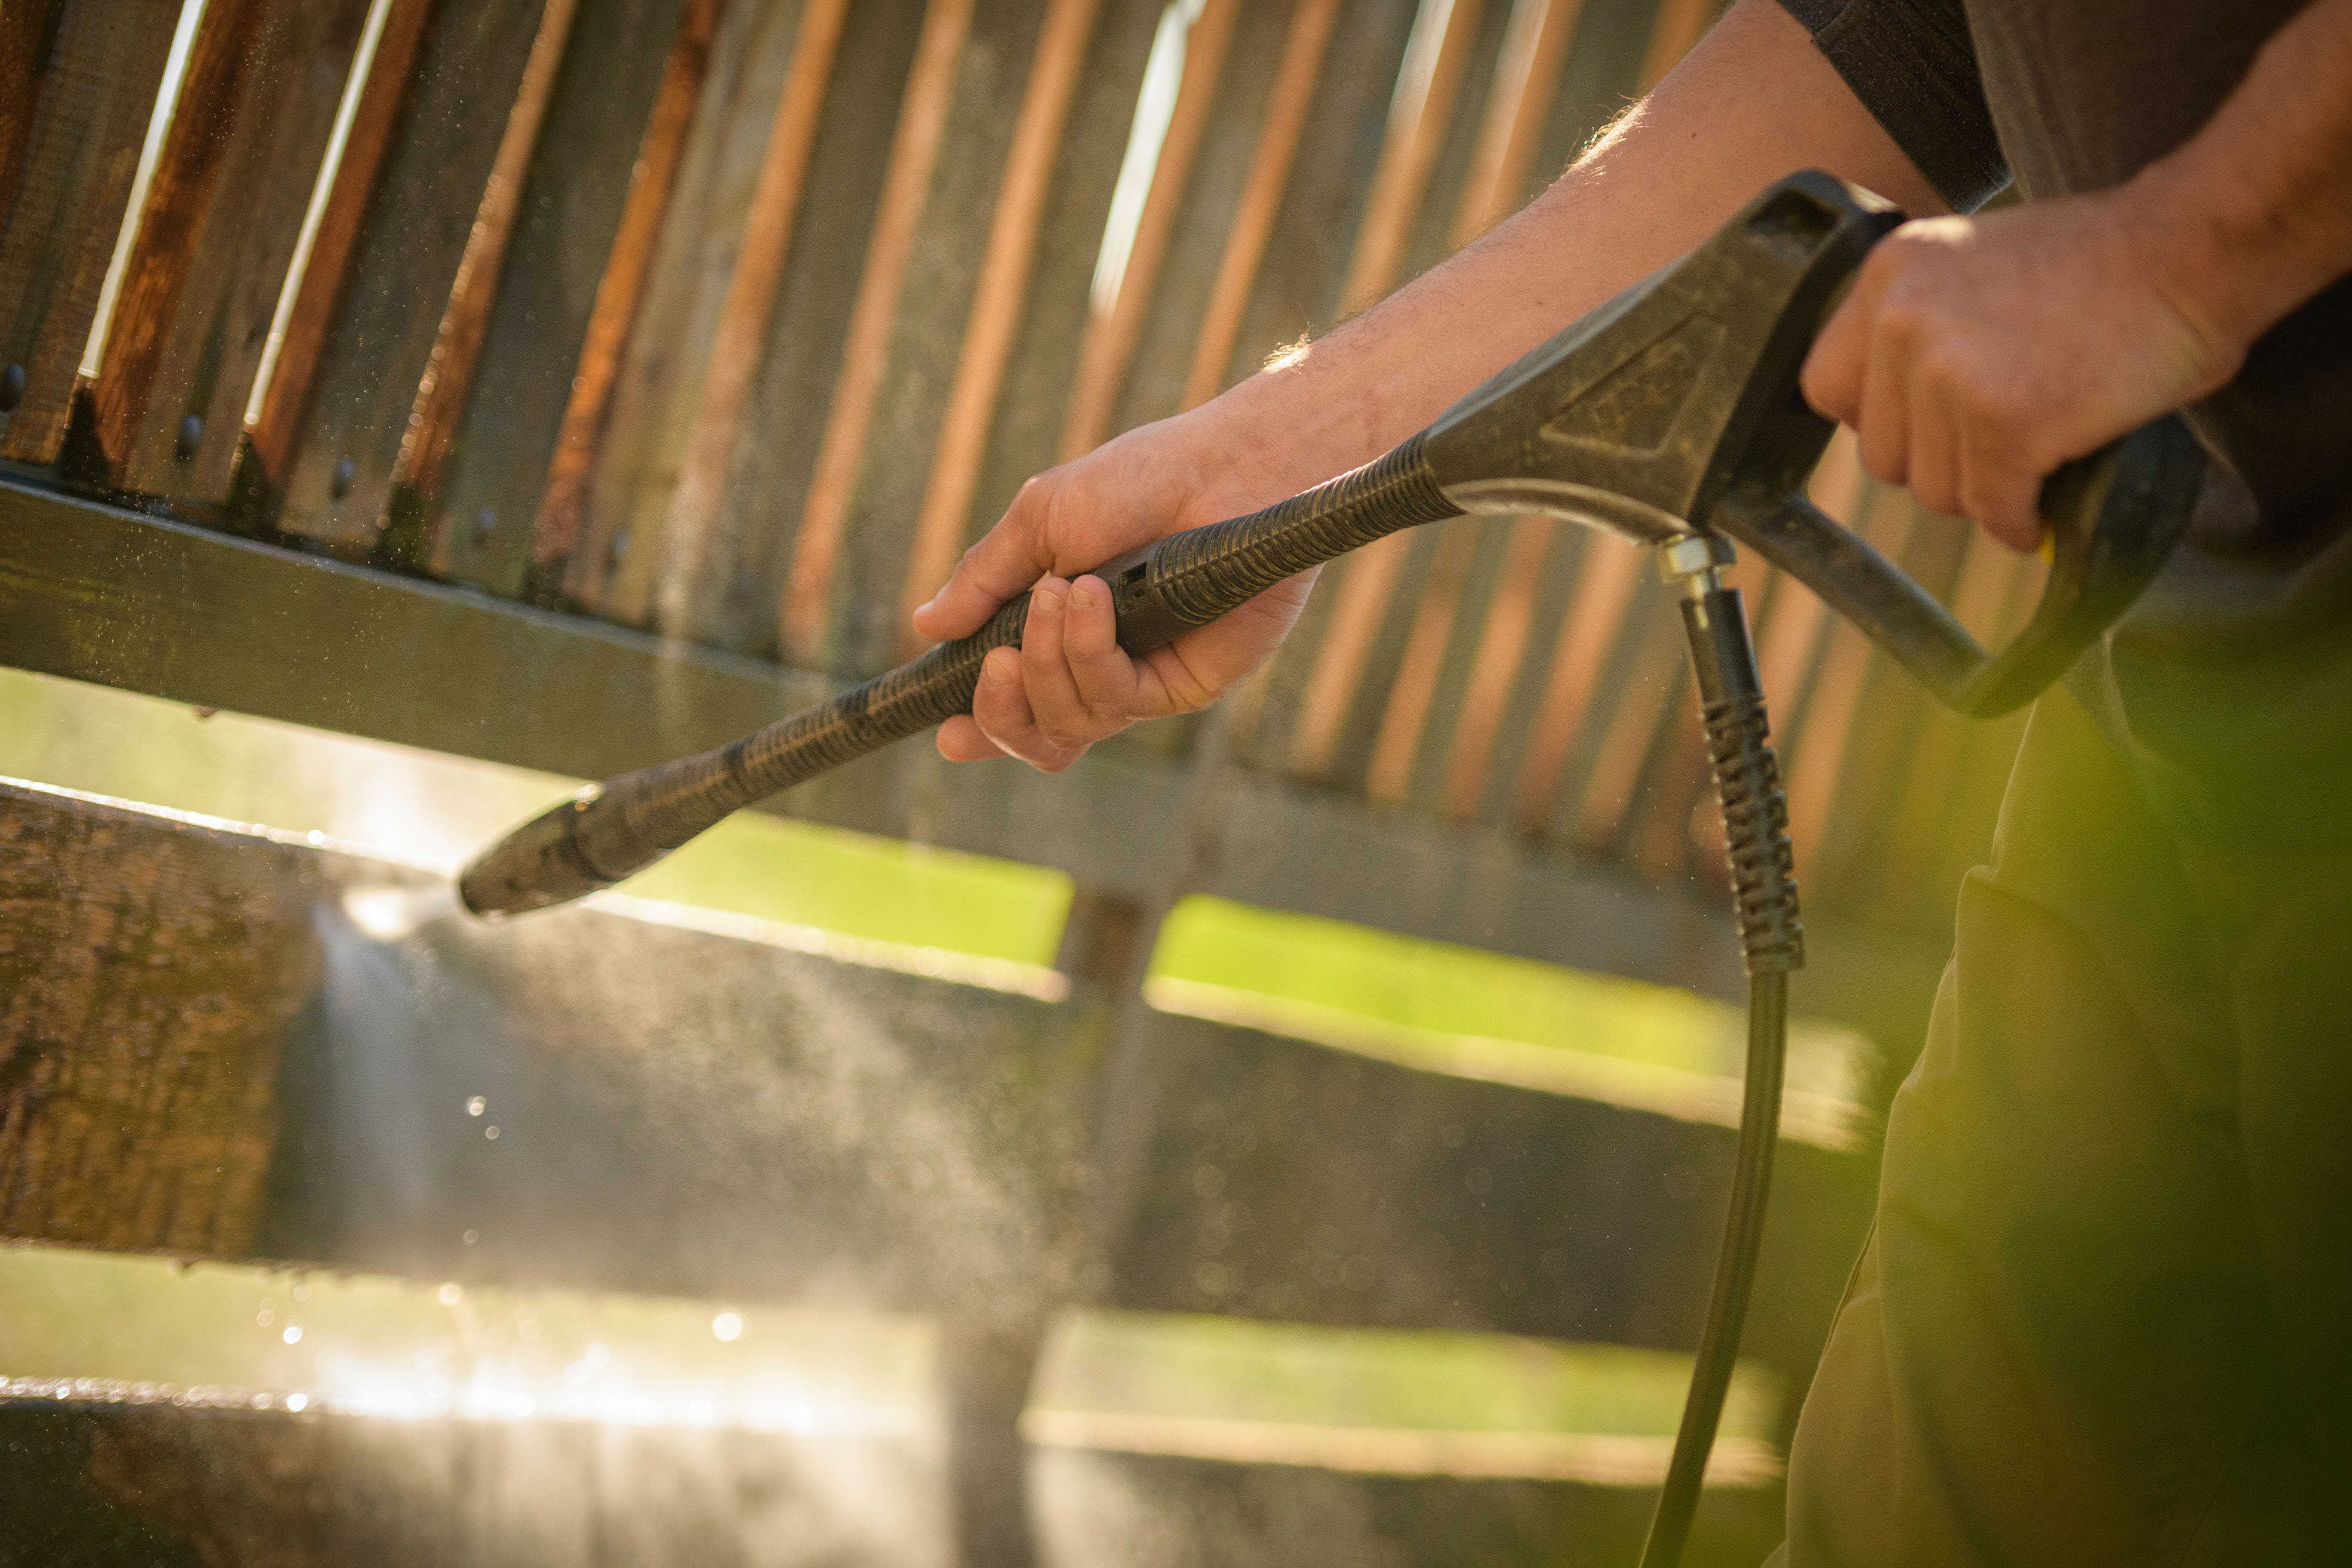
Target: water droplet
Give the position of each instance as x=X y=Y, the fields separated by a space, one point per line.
x=266 y=1316
x=490 y=1133
x=472 y=1236
x=477 y=1105
x=728 y=1326
x=297 y=1401
x=448 y=1295
x=1682 y=1182
x=293 y=1335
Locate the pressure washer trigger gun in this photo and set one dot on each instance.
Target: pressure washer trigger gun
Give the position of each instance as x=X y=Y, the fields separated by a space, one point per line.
x=1674 y=409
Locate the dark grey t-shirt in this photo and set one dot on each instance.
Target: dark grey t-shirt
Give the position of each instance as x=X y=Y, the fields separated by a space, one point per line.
x=2229 y=688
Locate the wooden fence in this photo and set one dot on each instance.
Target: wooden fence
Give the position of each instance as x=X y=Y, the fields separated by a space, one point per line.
x=736 y=319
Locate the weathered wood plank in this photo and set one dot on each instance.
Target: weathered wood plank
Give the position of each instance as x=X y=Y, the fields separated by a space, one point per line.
x=589 y=210
x=225 y=214
x=1001 y=299
x=620 y=292
x=1116 y=328
x=436 y=165
x=1026 y=424
x=373 y=95
x=443 y=392
x=1168 y=337
x=144 y=1003
x=746 y=127
x=909 y=309
x=29 y=34
x=178 y=191
x=679 y=568
x=1304 y=52
x=80 y=154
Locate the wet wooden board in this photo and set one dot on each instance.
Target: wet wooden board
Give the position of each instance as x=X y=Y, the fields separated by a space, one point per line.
x=570 y=214
x=469 y=63
x=144 y=1004
x=81 y=153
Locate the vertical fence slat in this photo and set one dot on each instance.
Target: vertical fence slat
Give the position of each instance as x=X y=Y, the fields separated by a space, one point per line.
x=1598 y=603
x=1679 y=24
x=1006 y=264
x=1416 y=130
x=716 y=270
x=1112 y=335
x=1501 y=648
x=727 y=589
x=420 y=218
x=1672 y=32
x=615 y=123
x=620 y=291
x=81 y=153
x=803 y=615
x=1024 y=429
x=1817 y=751
x=29 y=34
x=441 y=392
x=1253 y=223
x=1517 y=106
x=298 y=332
x=224 y=217
x=219 y=71
x=1170 y=338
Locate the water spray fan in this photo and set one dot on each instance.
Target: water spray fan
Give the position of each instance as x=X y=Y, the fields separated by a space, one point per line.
x=1670 y=416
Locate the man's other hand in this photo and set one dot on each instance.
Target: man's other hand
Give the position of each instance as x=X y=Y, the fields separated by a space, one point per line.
x=1977 y=355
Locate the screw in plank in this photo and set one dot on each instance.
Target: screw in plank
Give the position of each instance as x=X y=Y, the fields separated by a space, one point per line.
x=340 y=482
x=192 y=436
x=11 y=388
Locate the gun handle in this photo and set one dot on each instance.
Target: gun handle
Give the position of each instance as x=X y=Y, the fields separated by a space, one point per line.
x=2113 y=516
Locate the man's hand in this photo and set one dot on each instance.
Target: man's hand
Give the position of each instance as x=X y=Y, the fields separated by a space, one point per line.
x=1069 y=684
x=1977 y=355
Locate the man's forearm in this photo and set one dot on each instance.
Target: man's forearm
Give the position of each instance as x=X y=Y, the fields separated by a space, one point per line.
x=2256 y=209
x=1754 y=100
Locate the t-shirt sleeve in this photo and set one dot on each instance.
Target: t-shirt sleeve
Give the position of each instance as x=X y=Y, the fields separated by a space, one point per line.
x=1914 y=68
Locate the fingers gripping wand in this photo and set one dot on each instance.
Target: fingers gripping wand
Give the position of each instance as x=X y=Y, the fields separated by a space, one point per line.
x=1670 y=416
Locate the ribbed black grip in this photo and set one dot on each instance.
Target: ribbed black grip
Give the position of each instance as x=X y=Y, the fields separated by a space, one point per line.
x=1204 y=572
x=1756 y=832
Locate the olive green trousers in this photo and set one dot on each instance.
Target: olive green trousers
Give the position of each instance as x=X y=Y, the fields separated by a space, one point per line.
x=2104 y=1315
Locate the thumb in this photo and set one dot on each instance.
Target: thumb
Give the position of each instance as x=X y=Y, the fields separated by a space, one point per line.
x=1008 y=559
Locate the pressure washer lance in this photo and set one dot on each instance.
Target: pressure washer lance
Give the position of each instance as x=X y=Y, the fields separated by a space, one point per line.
x=1670 y=416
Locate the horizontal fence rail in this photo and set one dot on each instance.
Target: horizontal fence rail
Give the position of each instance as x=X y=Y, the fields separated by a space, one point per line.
x=737 y=320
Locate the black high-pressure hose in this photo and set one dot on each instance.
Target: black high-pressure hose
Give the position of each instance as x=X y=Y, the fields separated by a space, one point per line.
x=1772 y=942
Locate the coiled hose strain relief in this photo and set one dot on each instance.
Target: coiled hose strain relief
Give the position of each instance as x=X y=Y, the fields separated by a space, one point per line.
x=1202 y=573
x=1756 y=832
